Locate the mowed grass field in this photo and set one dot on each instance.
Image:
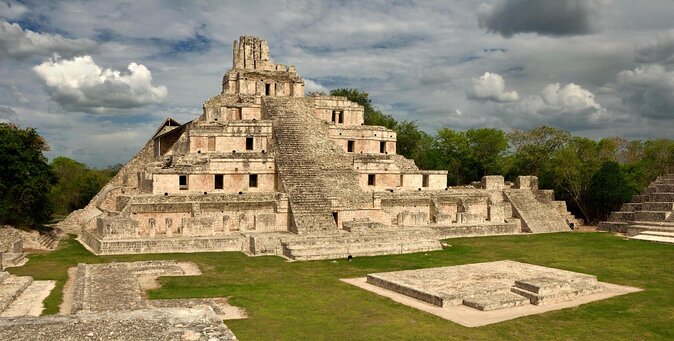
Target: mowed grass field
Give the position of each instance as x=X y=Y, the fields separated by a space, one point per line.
x=306 y=300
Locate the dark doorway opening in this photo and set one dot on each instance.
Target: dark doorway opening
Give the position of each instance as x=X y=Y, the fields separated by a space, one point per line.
x=219 y=181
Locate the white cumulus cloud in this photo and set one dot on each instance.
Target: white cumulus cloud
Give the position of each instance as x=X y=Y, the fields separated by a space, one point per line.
x=81 y=85
x=491 y=87
x=17 y=43
x=568 y=106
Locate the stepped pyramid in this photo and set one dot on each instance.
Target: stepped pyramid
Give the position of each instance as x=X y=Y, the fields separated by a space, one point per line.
x=266 y=170
x=650 y=215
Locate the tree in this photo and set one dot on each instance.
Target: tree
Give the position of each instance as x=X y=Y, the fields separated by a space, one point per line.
x=454 y=149
x=77 y=184
x=25 y=179
x=608 y=190
x=488 y=147
x=534 y=148
x=572 y=168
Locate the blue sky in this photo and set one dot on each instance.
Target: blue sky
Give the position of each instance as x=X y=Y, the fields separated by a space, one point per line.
x=97 y=77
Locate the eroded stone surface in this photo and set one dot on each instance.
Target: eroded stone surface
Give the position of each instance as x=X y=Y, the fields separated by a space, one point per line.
x=488 y=286
x=198 y=323
x=108 y=303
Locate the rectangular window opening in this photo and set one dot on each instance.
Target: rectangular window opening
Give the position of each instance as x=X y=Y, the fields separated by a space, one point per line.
x=424 y=180
x=249 y=143
x=334 y=116
x=401 y=180
x=252 y=180
x=370 y=180
x=382 y=147
x=349 y=146
x=267 y=89
x=182 y=182
x=341 y=117
x=219 y=181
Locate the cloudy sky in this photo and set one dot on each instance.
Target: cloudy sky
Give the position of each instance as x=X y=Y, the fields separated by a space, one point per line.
x=97 y=77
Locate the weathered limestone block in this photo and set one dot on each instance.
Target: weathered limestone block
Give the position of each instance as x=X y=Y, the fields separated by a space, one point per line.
x=499 y=212
x=442 y=218
x=198 y=226
x=492 y=182
x=407 y=218
x=526 y=182
x=470 y=218
x=265 y=221
x=116 y=228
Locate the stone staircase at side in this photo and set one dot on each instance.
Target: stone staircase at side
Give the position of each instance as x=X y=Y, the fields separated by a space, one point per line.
x=319 y=180
x=539 y=212
x=650 y=215
x=19 y=295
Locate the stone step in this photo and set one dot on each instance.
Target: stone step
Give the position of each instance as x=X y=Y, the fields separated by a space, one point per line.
x=494 y=301
x=660 y=197
x=656 y=206
x=651 y=215
x=341 y=245
x=11 y=288
x=658 y=233
x=654 y=238
x=613 y=226
x=562 y=294
x=631 y=207
x=642 y=226
x=621 y=216
x=664 y=188
x=29 y=302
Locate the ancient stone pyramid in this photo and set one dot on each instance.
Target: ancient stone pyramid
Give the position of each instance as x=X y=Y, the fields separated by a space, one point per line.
x=265 y=170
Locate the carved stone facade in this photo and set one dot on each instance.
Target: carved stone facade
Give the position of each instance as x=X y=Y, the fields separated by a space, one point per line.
x=266 y=170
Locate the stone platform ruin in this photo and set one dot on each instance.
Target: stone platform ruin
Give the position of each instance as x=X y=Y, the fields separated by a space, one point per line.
x=484 y=293
x=650 y=215
x=106 y=301
x=265 y=170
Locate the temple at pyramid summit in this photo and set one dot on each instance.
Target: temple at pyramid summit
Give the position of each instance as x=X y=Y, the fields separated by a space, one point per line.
x=266 y=170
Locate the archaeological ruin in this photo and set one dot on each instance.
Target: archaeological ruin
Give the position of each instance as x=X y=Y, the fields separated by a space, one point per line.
x=266 y=170
x=649 y=216
x=484 y=293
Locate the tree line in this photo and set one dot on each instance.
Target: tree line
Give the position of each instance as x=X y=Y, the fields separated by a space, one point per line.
x=33 y=190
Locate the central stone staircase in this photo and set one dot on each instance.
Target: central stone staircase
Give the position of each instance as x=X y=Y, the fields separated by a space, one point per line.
x=650 y=215
x=312 y=172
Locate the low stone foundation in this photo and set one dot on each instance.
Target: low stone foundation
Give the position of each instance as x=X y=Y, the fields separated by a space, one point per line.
x=233 y=242
x=488 y=286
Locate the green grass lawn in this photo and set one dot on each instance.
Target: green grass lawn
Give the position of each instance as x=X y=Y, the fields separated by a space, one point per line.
x=306 y=300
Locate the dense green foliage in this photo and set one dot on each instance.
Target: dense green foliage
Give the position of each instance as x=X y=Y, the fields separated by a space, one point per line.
x=25 y=177
x=32 y=190
x=593 y=177
x=307 y=300
x=76 y=185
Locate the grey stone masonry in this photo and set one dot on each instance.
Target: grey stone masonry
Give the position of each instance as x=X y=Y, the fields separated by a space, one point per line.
x=488 y=286
x=650 y=215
